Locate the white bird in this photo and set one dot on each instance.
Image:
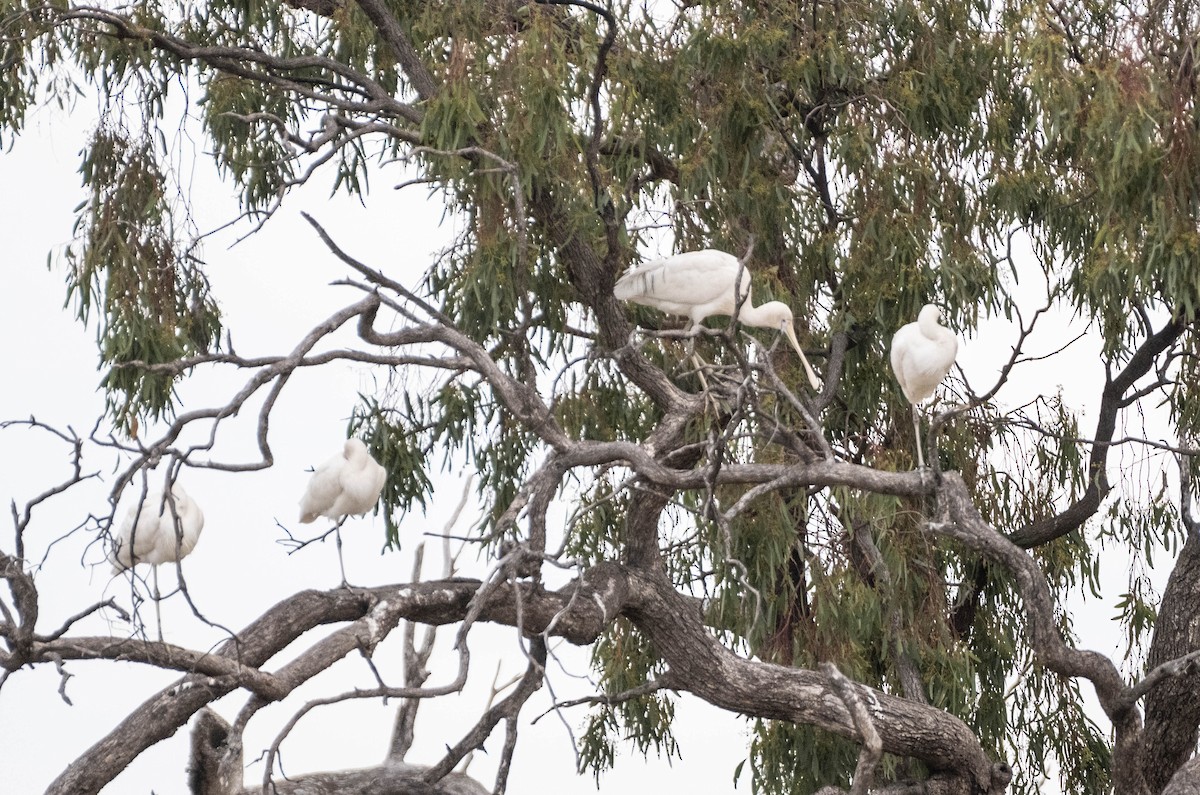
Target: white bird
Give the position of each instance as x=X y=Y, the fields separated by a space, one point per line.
x=158 y=530
x=698 y=284
x=922 y=354
x=349 y=484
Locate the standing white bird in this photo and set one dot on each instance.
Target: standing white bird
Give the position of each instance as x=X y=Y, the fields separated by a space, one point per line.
x=158 y=530
x=922 y=354
x=349 y=484
x=698 y=284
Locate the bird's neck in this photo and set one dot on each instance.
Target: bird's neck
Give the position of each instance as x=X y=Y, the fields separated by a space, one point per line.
x=752 y=315
x=931 y=328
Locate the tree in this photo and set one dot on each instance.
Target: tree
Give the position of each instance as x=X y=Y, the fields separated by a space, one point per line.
x=762 y=547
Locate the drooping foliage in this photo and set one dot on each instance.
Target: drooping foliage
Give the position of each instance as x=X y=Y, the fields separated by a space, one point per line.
x=128 y=271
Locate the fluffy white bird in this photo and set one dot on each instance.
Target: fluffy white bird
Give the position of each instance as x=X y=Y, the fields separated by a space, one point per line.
x=698 y=284
x=157 y=531
x=349 y=484
x=922 y=354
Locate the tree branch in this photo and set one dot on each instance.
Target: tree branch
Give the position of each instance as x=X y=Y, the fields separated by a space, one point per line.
x=702 y=666
x=394 y=36
x=579 y=620
x=1142 y=361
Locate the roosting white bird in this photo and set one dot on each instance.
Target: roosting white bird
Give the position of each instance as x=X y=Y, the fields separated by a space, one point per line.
x=158 y=530
x=922 y=354
x=349 y=484
x=150 y=533
x=699 y=284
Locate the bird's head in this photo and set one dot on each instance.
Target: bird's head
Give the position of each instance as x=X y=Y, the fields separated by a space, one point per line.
x=776 y=314
x=930 y=315
x=353 y=449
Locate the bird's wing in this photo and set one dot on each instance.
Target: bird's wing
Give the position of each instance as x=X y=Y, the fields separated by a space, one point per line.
x=376 y=476
x=191 y=522
x=902 y=342
x=122 y=555
x=931 y=361
x=677 y=284
x=136 y=542
x=323 y=490
x=172 y=542
x=360 y=488
x=920 y=363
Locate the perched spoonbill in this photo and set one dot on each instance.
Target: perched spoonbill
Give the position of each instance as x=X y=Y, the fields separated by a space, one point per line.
x=160 y=529
x=922 y=354
x=698 y=284
x=349 y=484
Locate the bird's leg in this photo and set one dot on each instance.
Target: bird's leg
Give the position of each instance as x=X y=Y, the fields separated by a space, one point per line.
x=157 y=599
x=693 y=328
x=700 y=372
x=337 y=534
x=917 y=431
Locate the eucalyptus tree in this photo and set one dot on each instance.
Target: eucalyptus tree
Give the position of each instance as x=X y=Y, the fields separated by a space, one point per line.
x=754 y=544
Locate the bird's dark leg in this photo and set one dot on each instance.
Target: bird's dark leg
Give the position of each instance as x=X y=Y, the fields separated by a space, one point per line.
x=157 y=599
x=337 y=534
x=917 y=432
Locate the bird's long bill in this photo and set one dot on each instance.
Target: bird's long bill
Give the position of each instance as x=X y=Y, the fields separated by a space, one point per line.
x=812 y=377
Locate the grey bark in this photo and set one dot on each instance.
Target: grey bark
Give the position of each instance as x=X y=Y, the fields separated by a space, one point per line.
x=1186 y=781
x=1173 y=706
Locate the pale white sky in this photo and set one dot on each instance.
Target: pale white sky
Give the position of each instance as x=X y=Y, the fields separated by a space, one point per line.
x=273 y=288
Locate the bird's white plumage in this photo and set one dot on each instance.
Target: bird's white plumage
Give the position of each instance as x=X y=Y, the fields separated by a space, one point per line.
x=150 y=533
x=349 y=484
x=922 y=354
x=699 y=284
x=694 y=284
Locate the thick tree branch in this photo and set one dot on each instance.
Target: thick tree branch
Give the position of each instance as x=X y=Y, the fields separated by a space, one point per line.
x=1186 y=780
x=1172 y=706
x=969 y=528
x=579 y=620
x=701 y=665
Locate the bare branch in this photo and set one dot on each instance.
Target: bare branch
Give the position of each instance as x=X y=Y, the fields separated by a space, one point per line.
x=1041 y=531
x=507 y=710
